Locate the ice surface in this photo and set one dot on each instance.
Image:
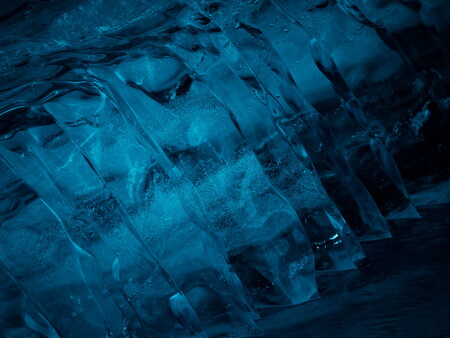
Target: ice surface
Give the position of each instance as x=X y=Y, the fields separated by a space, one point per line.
x=172 y=168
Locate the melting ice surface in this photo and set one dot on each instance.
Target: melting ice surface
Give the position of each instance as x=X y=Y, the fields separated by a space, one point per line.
x=173 y=168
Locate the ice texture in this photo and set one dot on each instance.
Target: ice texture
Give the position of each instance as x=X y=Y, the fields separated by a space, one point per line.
x=174 y=168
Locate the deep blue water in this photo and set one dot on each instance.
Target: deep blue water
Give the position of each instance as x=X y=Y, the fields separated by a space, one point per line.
x=400 y=291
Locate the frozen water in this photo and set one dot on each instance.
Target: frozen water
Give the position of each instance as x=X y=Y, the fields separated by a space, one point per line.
x=178 y=168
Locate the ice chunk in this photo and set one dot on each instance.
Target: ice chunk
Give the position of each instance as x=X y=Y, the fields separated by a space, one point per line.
x=256 y=123
x=164 y=215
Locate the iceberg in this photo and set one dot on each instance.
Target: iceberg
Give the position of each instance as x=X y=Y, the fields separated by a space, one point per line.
x=185 y=168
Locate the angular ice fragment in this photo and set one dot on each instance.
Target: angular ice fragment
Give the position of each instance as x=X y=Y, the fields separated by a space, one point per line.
x=163 y=210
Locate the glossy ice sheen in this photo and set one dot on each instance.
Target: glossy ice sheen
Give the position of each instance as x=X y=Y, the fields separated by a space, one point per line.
x=198 y=168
